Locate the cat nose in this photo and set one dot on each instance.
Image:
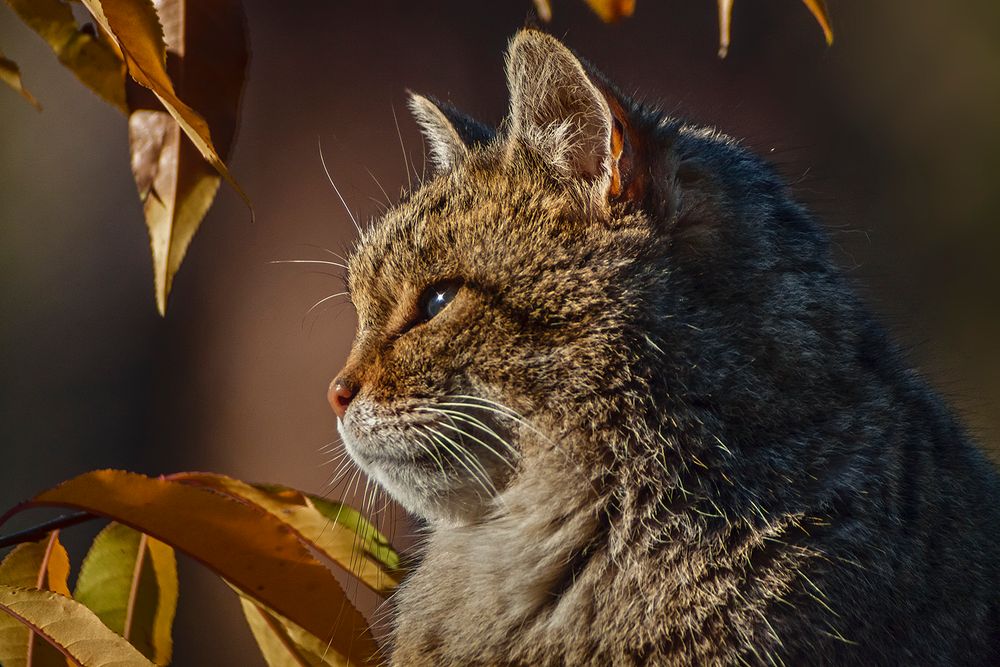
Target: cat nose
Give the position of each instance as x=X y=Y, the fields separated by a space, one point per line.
x=340 y=395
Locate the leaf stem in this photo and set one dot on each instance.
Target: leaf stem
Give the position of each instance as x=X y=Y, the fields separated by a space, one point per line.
x=37 y=532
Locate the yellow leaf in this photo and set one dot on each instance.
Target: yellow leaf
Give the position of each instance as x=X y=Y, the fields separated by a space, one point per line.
x=612 y=10
x=130 y=581
x=207 y=55
x=249 y=547
x=93 y=60
x=338 y=532
x=725 y=26
x=43 y=565
x=69 y=626
x=10 y=74
x=284 y=644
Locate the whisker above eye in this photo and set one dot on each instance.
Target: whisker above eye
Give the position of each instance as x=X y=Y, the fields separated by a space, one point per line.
x=307 y=261
x=325 y=299
x=319 y=142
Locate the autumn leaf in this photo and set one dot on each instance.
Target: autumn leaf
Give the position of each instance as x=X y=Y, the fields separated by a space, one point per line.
x=92 y=59
x=246 y=545
x=822 y=14
x=612 y=10
x=338 y=532
x=130 y=581
x=10 y=74
x=817 y=7
x=69 y=626
x=43 y=565
x=284 y=644
x=207 y=55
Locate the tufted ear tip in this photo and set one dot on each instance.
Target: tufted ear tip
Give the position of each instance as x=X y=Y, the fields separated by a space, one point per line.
x=449 y=132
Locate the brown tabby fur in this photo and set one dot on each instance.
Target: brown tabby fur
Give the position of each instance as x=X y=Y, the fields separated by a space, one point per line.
x=667 y=433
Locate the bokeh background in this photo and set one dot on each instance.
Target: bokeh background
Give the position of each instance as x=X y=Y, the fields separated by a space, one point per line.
x=892 y=136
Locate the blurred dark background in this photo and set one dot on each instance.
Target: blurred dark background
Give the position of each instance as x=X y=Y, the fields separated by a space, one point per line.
x=892 y=136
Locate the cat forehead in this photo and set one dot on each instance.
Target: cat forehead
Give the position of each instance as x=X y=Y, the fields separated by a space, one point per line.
x=477 y=203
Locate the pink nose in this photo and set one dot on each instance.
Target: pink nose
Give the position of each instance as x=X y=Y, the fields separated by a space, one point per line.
x=339 y=395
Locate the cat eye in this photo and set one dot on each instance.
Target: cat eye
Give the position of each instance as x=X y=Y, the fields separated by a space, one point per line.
x=436 y=297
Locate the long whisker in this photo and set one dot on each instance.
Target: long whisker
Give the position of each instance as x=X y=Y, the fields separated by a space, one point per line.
x=482 y=477
x=478 y=423
x=322 y=160
x=468 y=435
x=430 y=452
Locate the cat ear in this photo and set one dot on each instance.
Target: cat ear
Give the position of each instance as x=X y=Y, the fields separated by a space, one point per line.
x=448 y=131
x=569 y=115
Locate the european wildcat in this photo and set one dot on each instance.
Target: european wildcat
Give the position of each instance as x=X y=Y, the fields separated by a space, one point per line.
x=612 y=364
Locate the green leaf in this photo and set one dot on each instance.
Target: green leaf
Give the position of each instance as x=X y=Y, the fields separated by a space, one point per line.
x=69 y=626
x=130 y=581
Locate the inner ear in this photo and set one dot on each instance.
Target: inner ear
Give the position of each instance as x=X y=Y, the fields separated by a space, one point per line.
x=567 y=113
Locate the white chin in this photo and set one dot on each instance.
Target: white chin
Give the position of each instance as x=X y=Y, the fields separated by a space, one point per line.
x=422 y=491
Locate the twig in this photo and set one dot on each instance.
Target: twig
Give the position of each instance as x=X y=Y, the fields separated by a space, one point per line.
x=38 y=532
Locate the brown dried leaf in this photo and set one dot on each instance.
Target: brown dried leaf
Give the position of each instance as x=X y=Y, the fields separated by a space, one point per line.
x=612 y=10
x=246 y=545
x=207 y=54
x=91 y=58
x=203 y=44
x=10 y=74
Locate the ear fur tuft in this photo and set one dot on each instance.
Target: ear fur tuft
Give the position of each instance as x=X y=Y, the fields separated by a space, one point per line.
x=449 y=132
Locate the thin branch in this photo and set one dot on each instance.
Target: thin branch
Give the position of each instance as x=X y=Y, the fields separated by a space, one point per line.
x=36 y=533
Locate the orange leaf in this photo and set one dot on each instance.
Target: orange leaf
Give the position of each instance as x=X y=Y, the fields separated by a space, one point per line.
x=822 y=14
x=250 y=548
x=612 y=10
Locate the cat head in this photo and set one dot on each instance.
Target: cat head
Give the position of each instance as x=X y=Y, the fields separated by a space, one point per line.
x=536 y=294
